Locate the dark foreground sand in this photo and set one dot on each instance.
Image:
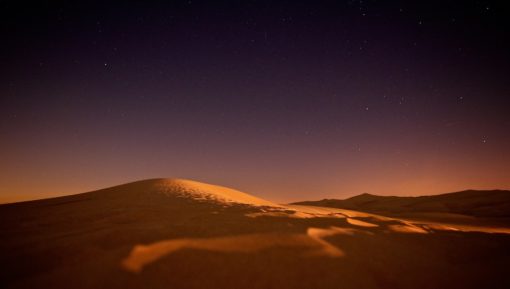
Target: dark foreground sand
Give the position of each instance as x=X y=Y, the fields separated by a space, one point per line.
x=182 y=234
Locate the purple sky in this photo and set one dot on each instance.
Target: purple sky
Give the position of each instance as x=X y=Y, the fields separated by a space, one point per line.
x=283 y=100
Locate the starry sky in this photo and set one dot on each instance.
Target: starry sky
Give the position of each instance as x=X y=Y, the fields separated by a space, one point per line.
x=288 y=101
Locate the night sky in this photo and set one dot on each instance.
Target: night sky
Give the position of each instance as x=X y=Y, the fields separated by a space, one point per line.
x=288 y=101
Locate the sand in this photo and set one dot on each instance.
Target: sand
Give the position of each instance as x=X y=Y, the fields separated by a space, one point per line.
x=172 y=233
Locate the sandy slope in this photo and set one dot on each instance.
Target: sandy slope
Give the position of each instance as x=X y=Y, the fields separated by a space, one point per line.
x=168 y=233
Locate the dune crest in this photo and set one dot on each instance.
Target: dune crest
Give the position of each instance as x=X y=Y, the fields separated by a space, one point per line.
x=208 y=192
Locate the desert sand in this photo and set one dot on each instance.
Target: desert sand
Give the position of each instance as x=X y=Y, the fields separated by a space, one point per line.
x=173 y=233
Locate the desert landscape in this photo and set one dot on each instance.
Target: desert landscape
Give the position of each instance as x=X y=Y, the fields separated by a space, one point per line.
x=174 y=233
x=187 y=144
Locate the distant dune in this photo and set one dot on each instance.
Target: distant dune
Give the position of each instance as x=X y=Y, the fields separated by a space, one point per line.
x=174 y=233
x=482 y=204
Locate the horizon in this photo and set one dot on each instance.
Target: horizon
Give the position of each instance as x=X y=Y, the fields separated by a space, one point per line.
x=17 y=198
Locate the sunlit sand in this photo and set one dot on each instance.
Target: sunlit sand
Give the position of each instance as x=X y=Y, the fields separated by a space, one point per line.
x=407 y=228
x=313 y=242
x=360 y=223
x=203 y=191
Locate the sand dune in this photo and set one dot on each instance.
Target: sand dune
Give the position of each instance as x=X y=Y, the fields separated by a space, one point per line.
x=495 y=203
x=173 y=233
x=207 y=192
